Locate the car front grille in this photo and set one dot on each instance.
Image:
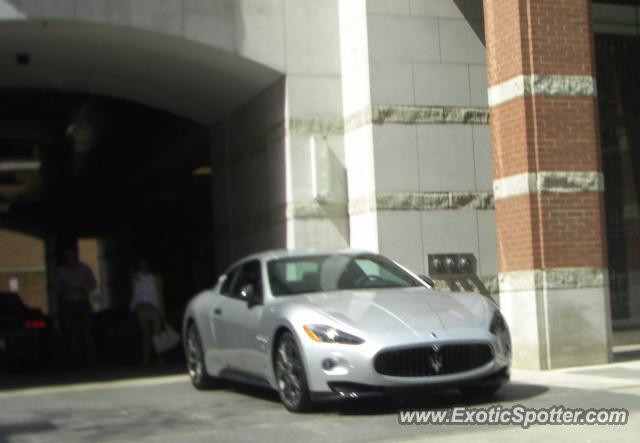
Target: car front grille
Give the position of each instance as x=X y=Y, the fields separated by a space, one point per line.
x=433 y=360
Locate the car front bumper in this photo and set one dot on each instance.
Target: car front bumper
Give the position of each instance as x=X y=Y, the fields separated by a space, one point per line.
x=341 y=371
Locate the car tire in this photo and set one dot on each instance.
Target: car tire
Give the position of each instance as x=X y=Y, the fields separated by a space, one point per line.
x=291 y=376
x=196 y=364
x=485 y=390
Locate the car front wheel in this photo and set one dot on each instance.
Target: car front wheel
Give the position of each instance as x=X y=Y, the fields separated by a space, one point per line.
x=195 y=361
x=290 y=374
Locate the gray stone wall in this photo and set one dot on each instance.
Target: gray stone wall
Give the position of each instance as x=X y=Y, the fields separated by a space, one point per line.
x=421 y=170
x=249 y=178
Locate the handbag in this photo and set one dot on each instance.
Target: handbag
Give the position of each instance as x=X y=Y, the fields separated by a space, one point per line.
x=165 y=340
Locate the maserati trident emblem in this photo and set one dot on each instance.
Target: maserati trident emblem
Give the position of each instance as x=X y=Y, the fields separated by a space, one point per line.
x=436 y=359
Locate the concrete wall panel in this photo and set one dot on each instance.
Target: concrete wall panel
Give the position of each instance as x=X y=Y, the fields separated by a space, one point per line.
x=46 y=9
x=446 y=158
x=259 y=31
x=478 y=85
x=459 y=42
x=450 y=232
x=482 y=154
x=390 y=7
x=488 y=254
x=206 y=21
x=438 y=8
x=403 y=238
x=312 y=37
x=392 y=83
x=442 y=84
x=314 y=96
x=104 y=11
x=396 y=158
x=400 y=38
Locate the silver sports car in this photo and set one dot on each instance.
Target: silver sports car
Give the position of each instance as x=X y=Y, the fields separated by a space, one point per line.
x=341 y=324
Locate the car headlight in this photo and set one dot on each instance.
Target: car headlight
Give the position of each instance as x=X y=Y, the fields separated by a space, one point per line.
x=329 y=334
x=498 y=323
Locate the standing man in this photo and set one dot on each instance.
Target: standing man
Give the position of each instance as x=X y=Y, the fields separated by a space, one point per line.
x=74 y=283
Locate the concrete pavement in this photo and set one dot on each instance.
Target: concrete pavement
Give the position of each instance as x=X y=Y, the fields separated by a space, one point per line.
x=168 y=409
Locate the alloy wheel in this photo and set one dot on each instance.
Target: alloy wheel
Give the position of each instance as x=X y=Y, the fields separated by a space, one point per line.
x=290 y=375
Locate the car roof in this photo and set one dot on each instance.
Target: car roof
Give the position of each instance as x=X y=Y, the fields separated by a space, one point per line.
x=288 y=253
x=274 y=254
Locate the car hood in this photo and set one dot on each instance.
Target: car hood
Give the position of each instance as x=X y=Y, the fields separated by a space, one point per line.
x=400 y=310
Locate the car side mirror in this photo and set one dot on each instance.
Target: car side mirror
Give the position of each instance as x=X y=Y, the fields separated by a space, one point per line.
x=248 y=294
x=428 y=280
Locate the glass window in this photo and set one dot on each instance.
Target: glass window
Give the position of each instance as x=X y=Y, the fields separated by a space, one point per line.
x=618 y=70
x=308 y=274
x=232 y=276
x=249 y=275
x=616 y=17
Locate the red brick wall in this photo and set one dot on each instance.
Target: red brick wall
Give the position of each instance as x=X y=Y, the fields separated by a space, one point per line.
x=20 y=250
x=22 y=259
x=550 y=37
x=550 y=230
x=544 y=133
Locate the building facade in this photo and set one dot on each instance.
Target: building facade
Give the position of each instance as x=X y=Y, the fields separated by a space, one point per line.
x=504 y=129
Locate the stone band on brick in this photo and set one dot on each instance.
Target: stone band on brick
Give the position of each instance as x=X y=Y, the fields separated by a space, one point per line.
x=552 y=181
x=530 y=85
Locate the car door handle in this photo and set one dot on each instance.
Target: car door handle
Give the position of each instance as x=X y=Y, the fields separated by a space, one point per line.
x=217 y=311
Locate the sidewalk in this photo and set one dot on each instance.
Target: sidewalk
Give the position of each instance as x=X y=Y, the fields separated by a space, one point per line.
x=615 y=385
x=612 y=376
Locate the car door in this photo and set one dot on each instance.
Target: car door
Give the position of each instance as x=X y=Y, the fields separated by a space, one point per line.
x=235 y=320
x=251 y=289
x=223 y=309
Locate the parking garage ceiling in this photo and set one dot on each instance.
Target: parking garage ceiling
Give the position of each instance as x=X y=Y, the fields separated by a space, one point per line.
x=80 y=161
x=190 y=79
x=94 y=116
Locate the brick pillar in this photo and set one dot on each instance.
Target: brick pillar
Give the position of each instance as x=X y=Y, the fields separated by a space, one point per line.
x=548 y=181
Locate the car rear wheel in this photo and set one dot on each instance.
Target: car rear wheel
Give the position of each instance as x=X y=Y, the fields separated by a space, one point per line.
x=195 y=361
x=290 y=374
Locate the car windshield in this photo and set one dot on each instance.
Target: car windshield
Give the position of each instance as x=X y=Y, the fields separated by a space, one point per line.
x=334 y=272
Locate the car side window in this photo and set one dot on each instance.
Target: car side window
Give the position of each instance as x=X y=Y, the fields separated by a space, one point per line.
x=232 y=276
x=249 y=275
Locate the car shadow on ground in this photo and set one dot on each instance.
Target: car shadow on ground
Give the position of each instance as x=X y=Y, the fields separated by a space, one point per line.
x=33 y=377
x=391 y=404
x=9 y=432
x=624 y=356
x=432 y=400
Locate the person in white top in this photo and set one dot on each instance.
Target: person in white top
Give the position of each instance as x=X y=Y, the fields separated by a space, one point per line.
x=147 y=305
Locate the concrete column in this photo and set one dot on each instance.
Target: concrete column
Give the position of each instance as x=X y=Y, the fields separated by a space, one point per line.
x=416 y=130
x=548 y=183
x=316 y=188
